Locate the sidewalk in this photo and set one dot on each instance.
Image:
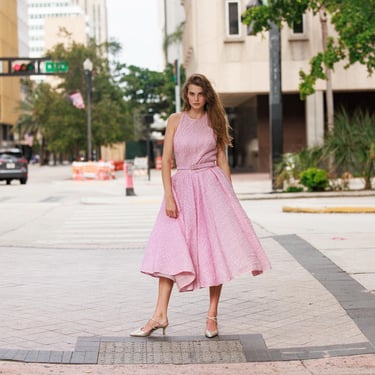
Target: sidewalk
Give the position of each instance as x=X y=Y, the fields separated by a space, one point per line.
x=66 y=303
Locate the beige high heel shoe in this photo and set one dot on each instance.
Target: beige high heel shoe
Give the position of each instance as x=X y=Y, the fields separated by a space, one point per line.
x=211 y=334
x=154 y=326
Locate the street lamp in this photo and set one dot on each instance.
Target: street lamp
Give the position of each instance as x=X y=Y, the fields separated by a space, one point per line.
x=87 y=66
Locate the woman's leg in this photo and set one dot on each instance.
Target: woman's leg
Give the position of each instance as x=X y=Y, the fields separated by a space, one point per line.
x=164 y=294
x=215 y=292
x=161 y=309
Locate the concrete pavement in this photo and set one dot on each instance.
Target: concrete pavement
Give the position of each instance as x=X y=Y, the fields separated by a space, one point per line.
x=71 y=290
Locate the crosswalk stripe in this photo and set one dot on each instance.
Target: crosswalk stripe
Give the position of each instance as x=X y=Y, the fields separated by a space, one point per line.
x=122 y=223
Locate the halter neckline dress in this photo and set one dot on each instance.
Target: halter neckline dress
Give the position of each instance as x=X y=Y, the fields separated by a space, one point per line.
x=212 y=240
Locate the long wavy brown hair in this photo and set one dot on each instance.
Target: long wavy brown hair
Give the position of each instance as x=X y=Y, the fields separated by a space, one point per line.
x=214 y=108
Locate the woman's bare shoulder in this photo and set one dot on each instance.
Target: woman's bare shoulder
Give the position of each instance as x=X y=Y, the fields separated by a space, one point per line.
x=174 y=119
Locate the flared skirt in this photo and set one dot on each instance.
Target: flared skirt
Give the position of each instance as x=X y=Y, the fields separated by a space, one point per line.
x=212 y=240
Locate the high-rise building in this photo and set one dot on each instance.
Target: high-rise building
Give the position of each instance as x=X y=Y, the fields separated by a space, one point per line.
x=9 y=86
x=77 y=17
x=43 y=11
x=23 y=28
x=96 y=10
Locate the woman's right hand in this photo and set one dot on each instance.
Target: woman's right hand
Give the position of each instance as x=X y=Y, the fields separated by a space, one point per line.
x=171 y=208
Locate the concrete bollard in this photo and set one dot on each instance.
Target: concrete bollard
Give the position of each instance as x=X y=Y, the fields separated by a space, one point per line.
x=129 y=186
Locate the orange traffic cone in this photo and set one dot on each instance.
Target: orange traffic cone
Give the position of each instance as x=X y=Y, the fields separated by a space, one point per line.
x=129 y=187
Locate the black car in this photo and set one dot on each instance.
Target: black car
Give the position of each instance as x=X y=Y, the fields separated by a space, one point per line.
x=13 y=165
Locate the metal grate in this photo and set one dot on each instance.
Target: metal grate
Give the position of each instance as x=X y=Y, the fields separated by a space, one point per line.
x=176 y=352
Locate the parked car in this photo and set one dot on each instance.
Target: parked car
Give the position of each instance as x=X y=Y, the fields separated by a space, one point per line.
x=13 y=166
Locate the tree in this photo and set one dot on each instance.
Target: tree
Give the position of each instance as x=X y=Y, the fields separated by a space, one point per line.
x=120 y=96
x=148 y=92
x=35 y=113
x=111 y=121
x=146 y=88
x=354 y=22
x=61 y=127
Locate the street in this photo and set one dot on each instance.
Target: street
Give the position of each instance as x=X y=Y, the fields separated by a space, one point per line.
x=71 y=251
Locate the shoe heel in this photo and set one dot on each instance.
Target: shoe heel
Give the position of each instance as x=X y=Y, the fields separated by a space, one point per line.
x=164 y=329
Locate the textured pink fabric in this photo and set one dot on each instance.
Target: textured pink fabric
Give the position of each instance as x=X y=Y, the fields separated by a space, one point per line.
x=212 y=240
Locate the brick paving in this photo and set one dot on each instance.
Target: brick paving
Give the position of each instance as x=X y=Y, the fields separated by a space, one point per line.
x=71 y=291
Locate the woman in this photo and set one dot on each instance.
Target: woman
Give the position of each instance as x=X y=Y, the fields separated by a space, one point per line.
x=202 y=236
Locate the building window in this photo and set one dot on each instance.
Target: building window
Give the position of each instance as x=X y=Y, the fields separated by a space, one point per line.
x=298 y=30
x=299 y=26
x=233 y=18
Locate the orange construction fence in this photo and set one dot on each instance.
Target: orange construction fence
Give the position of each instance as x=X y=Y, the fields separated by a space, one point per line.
x=98 y=170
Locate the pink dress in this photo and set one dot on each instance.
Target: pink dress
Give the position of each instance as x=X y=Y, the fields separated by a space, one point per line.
x=212 y=240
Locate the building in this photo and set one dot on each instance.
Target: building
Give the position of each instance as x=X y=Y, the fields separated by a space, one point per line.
x=9 y=86
x=173 y=19
x=216 y=43
x=50 y=12
x=23 y=28
x=96 y=11
x=28 y=28
x=83 y=19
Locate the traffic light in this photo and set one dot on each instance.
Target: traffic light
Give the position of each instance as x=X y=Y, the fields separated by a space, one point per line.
x=31 y=66
x=23 y=67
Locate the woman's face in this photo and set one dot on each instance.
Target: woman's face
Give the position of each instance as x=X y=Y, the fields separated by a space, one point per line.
x=196 y=97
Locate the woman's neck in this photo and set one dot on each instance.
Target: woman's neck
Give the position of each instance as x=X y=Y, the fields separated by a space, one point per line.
x=195 y=114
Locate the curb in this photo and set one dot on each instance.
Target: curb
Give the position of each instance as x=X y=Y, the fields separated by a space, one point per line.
x=303 y=195
x=330 y=210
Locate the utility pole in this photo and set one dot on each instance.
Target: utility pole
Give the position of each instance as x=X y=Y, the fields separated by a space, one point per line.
x=147 y=121
x=176 y=69
x=88 y=66
x=275 y=95
x=275 y=102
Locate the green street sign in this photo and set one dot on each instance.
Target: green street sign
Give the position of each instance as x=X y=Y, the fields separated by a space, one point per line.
x=56 y=66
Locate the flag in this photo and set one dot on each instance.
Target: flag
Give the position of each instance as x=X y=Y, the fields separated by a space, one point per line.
x=77 y=100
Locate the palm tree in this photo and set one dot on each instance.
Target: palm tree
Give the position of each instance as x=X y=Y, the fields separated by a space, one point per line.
x=34 y=113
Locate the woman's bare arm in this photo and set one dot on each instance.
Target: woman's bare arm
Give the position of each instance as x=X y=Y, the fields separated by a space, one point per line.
x=222 y=162
x=170 y=203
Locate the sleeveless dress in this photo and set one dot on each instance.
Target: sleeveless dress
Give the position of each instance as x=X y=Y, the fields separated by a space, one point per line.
x=212 y=240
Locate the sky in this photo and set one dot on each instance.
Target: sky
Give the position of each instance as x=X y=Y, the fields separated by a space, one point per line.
x=136 y=25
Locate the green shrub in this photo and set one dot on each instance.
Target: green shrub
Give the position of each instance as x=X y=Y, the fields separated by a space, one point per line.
x=314 y=179
x=294 y=189
x=292 y=164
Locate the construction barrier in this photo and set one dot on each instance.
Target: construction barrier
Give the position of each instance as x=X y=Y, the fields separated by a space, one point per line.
x=93 y=170
x=118 y=165
x=140 y=166
x=129 y=183
x=158 y=162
